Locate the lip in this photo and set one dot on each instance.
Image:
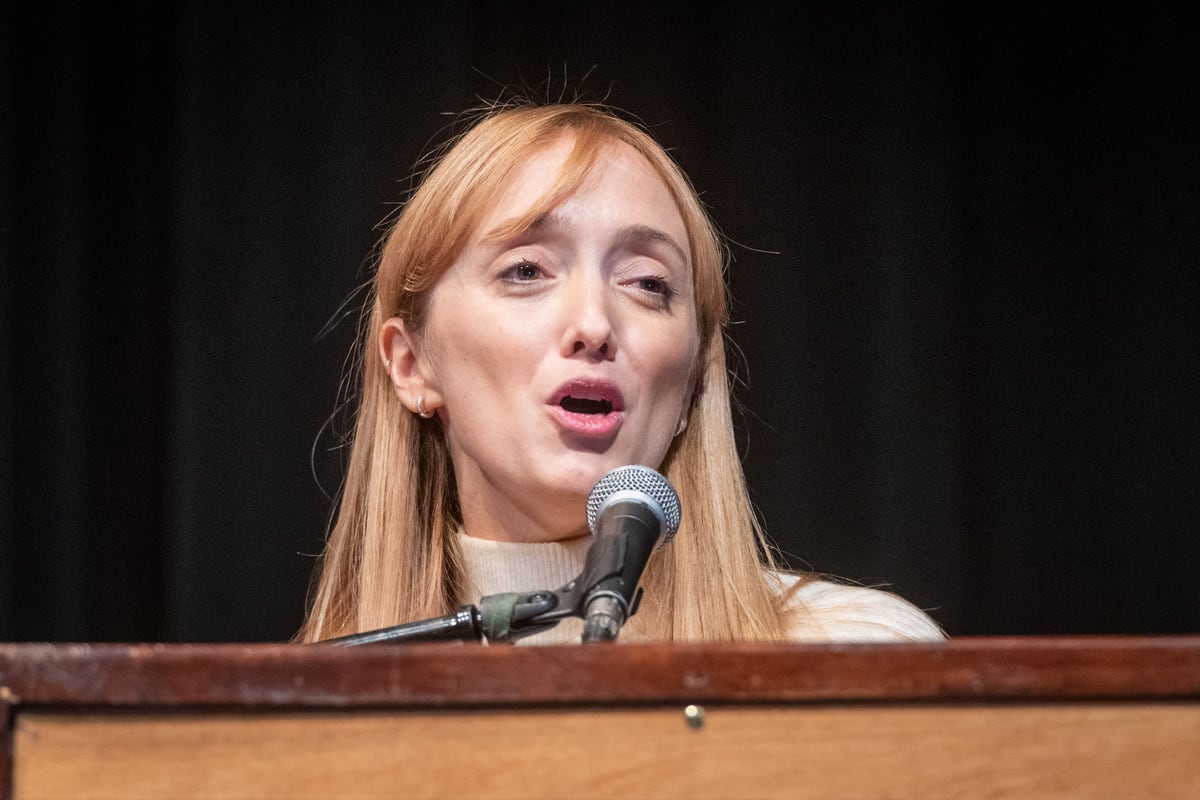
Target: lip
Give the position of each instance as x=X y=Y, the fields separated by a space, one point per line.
x=592 y=425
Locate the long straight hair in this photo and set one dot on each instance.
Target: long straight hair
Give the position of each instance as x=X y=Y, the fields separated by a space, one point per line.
x=391 y=556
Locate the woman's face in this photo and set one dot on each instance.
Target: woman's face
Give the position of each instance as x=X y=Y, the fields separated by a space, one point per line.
x=564 y=351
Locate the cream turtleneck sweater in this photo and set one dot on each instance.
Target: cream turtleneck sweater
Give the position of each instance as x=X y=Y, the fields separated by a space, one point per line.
x=825 y=611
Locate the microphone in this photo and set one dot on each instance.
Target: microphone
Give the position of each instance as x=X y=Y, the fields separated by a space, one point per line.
x=631 y=511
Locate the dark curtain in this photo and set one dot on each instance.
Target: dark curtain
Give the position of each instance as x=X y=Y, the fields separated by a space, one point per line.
x=964 y=246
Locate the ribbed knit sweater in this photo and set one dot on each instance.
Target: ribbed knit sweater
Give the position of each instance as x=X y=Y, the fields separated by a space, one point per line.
x=824 y=610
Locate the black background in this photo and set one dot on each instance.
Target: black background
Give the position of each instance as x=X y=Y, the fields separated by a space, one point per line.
x=964 y=245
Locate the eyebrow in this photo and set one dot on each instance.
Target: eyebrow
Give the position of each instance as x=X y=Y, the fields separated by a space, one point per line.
x=644 y=234
x=629 y=235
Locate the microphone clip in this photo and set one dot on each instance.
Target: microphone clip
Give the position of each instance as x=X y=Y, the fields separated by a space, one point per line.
x=513 y=615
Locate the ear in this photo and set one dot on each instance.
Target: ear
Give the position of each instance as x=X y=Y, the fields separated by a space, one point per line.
x=402 y=360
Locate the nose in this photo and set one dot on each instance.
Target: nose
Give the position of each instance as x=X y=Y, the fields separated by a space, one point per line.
x=588 y=323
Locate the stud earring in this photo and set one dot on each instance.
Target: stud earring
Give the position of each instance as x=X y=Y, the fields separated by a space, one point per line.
x=681 y=427
x=421 y=412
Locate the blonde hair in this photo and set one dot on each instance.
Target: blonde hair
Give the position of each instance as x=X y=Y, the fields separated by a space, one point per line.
x=392 y=556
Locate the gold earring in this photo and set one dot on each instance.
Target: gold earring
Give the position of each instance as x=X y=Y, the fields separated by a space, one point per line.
x=421 y=412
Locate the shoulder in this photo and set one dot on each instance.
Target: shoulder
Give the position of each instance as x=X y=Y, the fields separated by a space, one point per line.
x=823 y=610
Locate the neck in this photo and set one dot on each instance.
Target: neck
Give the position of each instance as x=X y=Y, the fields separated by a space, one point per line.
x=494 y=567
x=502 y=520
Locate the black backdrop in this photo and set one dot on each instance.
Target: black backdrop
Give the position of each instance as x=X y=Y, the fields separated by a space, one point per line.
x=964 y=279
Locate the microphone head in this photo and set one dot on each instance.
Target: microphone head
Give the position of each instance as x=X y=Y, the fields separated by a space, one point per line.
x=636 y=482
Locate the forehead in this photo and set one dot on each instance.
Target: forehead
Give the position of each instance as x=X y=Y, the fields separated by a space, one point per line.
x=620 y=184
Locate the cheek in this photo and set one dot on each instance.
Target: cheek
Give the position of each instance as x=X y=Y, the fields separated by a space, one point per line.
x=677 y=365
x=474 y=358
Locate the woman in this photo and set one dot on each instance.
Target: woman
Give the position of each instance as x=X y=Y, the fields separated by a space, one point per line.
x=550 y=305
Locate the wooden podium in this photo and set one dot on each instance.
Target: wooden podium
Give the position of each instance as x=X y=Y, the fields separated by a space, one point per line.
x=1075 y=717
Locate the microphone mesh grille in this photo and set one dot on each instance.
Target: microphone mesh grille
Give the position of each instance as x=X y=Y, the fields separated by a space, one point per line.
x=642 y=479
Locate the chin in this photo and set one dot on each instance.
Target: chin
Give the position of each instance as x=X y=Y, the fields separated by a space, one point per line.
x=579 y=475
x=584 y=474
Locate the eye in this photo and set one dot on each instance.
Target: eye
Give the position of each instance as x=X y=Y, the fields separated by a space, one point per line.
x=655 y=290
x=523 y=272
x=655 y=286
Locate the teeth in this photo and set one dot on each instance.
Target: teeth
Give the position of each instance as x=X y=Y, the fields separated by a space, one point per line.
x=582 y=405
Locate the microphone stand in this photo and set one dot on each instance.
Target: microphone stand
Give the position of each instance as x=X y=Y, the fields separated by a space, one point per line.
x=499 y=618
x=609 y=579
x=463 y=625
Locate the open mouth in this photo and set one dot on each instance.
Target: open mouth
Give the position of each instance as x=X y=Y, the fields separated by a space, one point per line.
x=583 y=405
x=590 y=403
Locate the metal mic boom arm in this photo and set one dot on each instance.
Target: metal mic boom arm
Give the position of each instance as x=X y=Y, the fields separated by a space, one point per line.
x=501 y=618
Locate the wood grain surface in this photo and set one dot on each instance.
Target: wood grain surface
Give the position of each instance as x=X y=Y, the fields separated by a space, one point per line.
x=1006 y=717
x=315 y=676
x=1018 y=751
